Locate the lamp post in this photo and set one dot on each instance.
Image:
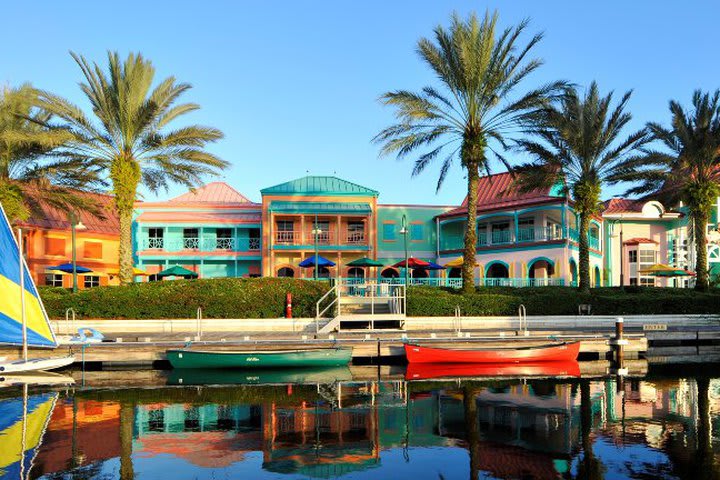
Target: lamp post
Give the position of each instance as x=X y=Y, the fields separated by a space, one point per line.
x=404 y=232
x=316 y=232
x=75 y=225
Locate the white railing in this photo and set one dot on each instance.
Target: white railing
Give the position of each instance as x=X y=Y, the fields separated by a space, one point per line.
x=320 y=311
x=253 y=244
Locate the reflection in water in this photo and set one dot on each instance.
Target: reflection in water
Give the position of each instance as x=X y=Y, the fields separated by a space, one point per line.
x=574 y=428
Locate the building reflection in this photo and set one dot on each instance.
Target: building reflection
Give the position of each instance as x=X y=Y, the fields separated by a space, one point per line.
x=510 y=429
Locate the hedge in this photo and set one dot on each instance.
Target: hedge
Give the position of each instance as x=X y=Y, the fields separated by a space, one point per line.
x=218 y=297
x=499 y=301
x=265 y=298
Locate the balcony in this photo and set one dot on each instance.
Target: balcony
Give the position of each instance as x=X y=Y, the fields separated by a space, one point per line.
x=324 y=238
x=205 y=244
x=504 y=237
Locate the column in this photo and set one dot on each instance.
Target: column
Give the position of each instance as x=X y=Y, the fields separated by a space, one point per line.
x=516 y=226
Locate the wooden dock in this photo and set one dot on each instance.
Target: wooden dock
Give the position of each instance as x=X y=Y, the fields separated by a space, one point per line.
x=148 y=350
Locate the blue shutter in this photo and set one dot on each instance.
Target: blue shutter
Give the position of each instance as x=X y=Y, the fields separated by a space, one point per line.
x=416 y=232
x=388 y=231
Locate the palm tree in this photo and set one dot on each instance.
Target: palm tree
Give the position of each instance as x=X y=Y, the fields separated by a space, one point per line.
x=29 y=175
x=577 y=143
x=687 y=169
x=129 y=136
x=470 y=116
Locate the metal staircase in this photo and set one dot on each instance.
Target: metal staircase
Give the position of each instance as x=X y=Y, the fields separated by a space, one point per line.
x=367 y=306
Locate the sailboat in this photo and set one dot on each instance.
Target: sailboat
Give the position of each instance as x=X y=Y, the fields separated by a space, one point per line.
x=23 y=320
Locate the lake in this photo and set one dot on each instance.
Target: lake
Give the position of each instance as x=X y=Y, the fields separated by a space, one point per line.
x=317 y=424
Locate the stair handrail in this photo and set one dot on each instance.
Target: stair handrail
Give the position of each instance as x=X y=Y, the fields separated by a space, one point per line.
x=522 y=319
x=318 y=312
x=198 y=320
x=68 y=312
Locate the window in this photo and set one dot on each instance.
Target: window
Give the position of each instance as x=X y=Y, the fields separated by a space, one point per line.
x=91 y=281
x=389 y=232
x=416 y=232
x=254 y=234
x=155 y=237
x=285 y=225
x=92 y=250
x=55 y=246
x=323 y=235
x=190 y=238
x=356 y=232
x=53 y=280
x=647 y=281
x=634 y=281
x=632 y=256
x=647 y=256
x=223 y=239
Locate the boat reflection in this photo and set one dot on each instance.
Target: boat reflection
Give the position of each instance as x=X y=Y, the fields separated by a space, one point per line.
x=509 y=428
x=425 y=371
x=300 y=376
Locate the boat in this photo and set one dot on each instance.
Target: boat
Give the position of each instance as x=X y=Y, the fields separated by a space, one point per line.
x=555 y=352
x=23 y=320
x=265 y=376
x=428 y=371
x=35 y=379
x=298 y=358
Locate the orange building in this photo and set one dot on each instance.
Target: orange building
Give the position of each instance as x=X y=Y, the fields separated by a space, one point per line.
x=47 y=241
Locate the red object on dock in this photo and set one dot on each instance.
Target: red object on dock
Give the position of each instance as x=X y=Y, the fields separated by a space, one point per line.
x=425 y=371
x=556 y=352
x=288 y=305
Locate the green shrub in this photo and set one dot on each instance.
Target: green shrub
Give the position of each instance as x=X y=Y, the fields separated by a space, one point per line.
x=218 y=297
x=502 y=301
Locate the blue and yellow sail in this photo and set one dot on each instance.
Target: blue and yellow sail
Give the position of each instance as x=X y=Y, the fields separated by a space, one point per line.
x=39 y=333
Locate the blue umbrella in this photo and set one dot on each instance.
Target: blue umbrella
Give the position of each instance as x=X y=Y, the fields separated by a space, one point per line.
x=321 y=262
x=433 y=266
x=67 y=268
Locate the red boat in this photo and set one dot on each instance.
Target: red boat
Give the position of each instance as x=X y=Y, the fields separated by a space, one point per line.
x=425 y=371
x=556 y=352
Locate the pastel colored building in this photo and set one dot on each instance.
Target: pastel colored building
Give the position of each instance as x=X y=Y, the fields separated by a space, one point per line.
x=523 y=238
x=213 y=231
x=47 y=241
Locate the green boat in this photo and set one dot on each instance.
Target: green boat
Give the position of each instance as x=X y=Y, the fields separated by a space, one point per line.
x=265 y=376
x=311 y=357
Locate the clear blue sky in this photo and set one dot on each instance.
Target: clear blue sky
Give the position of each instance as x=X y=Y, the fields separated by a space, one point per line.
x=294 y=85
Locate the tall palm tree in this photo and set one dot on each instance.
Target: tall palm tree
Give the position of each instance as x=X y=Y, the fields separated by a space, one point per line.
x=470 y=116
x=129 y=136
x=687 y=168
x=578 y=143
x=29 y=175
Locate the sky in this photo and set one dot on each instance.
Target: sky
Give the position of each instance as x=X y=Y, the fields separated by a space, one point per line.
x=294 y=86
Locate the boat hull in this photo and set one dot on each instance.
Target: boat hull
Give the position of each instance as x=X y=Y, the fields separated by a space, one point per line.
x=320 y=357
x=544 y=353
x=427 y=371
x=35 y=364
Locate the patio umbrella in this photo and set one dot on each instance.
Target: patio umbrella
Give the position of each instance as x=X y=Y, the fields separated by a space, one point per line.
x=177 y=271
x=412 y=263
x=662 y=270
x=365 y=262
x=68 y=268
x=433 y=266
x=321 y=262
x=456 y=263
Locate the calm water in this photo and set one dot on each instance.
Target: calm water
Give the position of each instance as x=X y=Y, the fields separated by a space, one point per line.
x=654 y=427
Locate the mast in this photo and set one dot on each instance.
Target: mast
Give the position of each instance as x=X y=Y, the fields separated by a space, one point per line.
x=22 y=296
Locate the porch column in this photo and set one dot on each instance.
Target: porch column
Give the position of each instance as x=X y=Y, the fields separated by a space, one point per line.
x=270 y=244
x=302 y=229
x=337 y=239
x=201 y=232
x=516 y=227
x=563 y=221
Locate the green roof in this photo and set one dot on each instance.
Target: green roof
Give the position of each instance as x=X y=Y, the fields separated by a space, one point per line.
x=316 y=185
x=319 y=207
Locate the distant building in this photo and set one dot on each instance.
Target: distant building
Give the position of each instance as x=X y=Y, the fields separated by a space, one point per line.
x=47 y=240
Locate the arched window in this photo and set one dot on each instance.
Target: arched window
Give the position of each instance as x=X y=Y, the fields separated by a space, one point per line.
x=598 y=281
x=390 y=273
x=541 y=269
x=420 y=273
x=498 y=270
x=455 y=273
x=286 y=272
x=573 y=272
x=356 y=272
x=323 y=272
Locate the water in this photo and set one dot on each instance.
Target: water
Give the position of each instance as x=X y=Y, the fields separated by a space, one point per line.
x=659 y=426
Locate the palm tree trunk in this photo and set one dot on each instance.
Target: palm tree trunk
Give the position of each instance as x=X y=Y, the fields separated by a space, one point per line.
x=584 y=266
x=125 y=176
x=700 y=221
x=468 y=267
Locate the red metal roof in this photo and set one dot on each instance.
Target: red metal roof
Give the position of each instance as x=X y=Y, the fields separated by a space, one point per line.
x=499 y=191
x=56 y=219
x=200 y=217
x=214 y=192
x=637 y=240
x=622 y=205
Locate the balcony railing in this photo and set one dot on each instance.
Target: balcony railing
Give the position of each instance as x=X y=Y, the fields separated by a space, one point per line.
x=507 y=237
x=457 y=282
x=206 y=244
x=325 y=237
